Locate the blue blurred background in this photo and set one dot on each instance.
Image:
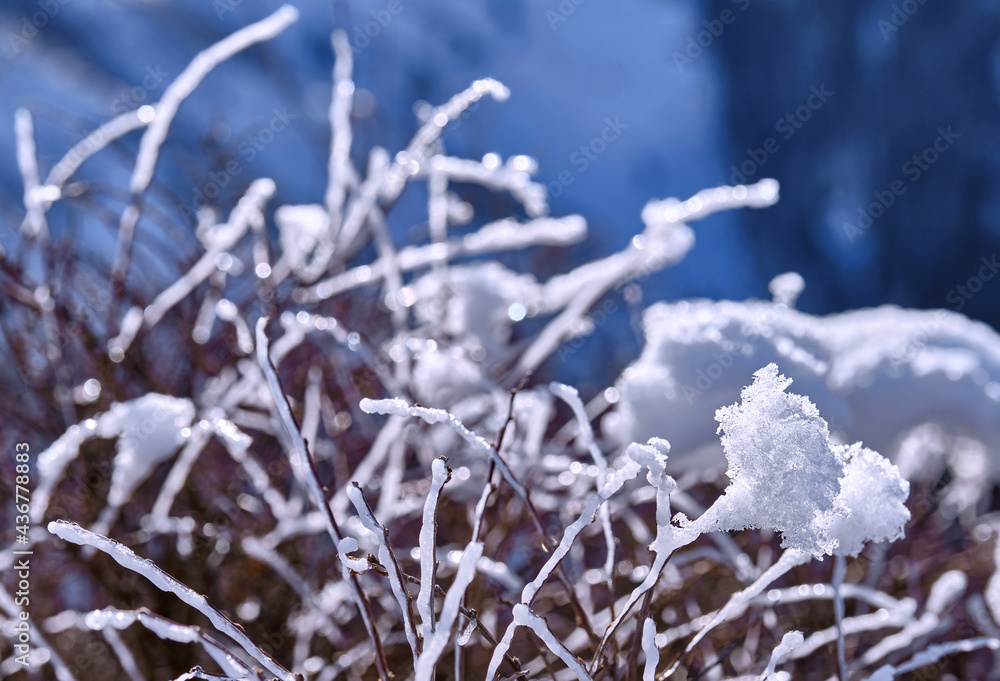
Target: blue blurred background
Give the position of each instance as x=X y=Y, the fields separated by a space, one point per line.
x=846 y=103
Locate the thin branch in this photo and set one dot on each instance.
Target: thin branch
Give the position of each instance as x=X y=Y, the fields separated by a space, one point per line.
x=165 y=110
x=388 y=560
x=398 y=407
x=124 y=556
x=302 y=460
x=339 y=168
x=34 y=226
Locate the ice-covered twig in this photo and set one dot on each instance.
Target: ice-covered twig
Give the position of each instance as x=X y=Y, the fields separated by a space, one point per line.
x=312 y=401
x=398 y=312
x=228 y=312
x=437 y=208
x=124 y=556
x=373 y=461
x=762 y=194
x=435 y=644
x=53 y=462
x=388 y=560
x=34 y=226
x=175 y=481
x=202 y=675
x=223 y=238
x=504 y=235
x=586 y=434
x=947 y=589
x=205 y=319
x=668 y=539
x=512 y=177
x=339 y=168
x=237 y=444
x=408 y=162
x=873 y=621
x=165 y=110
x=615 y=483
x=397 y=407
x=111 y=619
x=524 y=617
x=790 y=559
x=789 y=642
x=117 y=127
x=303 y=462
x=650 y=649
x=932 y=654
x=440 y=474
x=665 y=241
x=364 y=200
x=124 y=655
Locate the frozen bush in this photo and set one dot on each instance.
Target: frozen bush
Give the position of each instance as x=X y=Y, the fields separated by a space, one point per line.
x=392 y=483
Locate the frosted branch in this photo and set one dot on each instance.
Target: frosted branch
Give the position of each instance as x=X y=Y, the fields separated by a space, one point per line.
x=933 y=653
x=790 y=559
x=524 y=617
x=512 y=177
x=221 y=239
x=503 y=235
x=34 y=226
x=388 y=560
x=99 y=139
x=650 y=649
x=165 y=110
x=586 y=434
x=339 y=168
x=839 y=572
x=408 y=162
x=789 y=642
x=302 y=462
x=440 y=474
x=124 y=556
x=873 y=621
x=435 y=644
x=112 y=620
x=665 y=242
